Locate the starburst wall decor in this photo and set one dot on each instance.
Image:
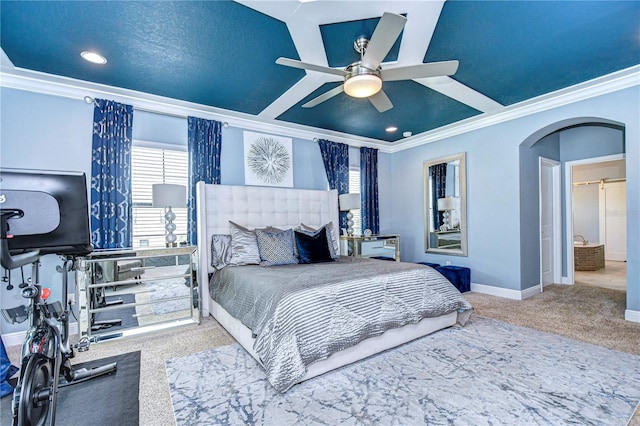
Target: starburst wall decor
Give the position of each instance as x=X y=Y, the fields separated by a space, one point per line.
x=268 y=160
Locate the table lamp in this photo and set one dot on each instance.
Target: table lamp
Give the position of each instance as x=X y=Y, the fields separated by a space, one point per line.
x=347 y=203
x=169 y=195
x=446 y=204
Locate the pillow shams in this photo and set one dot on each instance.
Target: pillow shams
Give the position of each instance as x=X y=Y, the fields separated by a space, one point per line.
x=220 y=251
x=313 y=248
x=244 y=246
x=328 y=228
x=276 y=248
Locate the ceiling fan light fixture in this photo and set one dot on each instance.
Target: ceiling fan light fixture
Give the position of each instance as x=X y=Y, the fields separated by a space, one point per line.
x=362 y=85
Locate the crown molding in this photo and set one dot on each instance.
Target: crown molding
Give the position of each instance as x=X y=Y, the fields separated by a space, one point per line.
x=34 y=81
x=609 y=83
x=38 y=82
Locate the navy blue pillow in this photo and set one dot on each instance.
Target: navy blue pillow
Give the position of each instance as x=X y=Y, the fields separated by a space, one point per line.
x=313 y=248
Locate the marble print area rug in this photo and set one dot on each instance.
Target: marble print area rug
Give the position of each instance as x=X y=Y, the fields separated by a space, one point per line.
x=488 y=372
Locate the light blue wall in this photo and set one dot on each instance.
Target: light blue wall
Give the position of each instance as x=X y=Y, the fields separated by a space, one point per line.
x=48 y=132
x=40 y=131
x=493 y=191
x=490 y=201
x=308 y=169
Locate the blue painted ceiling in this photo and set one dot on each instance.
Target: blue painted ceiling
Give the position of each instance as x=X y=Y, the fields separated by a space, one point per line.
x=222 y=53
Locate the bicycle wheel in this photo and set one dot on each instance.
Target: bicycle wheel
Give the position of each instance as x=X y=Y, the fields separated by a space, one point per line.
x=36 y=388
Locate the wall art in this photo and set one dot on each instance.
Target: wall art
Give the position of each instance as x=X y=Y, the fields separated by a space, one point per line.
x=268 y=160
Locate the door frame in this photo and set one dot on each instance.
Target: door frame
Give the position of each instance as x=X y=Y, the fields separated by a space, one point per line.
x=556 y=220
x=568 y=191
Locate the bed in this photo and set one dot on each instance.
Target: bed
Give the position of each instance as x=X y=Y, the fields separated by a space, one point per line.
x=282 y=315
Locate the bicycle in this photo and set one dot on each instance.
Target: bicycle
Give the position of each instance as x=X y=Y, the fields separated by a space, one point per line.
x=46 y=352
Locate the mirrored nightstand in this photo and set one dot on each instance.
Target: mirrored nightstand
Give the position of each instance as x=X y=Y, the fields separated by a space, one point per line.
x=132 y=291
x=386 y=246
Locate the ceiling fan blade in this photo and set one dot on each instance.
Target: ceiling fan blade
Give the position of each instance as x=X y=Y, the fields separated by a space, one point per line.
x=384 y=36
x=431 y=69
x=311 y=67
x=324 y=97
x=381 y=101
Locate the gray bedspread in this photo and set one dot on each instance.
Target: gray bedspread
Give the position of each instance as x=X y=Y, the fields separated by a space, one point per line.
x=303 y=313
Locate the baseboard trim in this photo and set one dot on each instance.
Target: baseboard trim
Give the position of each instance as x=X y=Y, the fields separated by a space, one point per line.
x=505 y=292
x=565 y=280
x=633 y=316
x=16 y=338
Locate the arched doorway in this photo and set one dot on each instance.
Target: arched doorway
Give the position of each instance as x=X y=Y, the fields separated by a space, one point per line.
x=564 y=141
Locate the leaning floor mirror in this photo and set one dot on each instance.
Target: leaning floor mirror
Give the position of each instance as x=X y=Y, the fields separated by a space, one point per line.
x=445 y=205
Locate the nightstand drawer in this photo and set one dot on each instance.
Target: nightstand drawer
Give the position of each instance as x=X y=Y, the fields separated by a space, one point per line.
x=385 y=246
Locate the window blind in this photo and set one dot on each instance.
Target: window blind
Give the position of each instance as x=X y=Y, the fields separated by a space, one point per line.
x=149 y=166
x=354 y=187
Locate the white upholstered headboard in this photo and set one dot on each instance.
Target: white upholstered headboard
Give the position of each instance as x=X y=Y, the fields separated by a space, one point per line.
x=257 y=207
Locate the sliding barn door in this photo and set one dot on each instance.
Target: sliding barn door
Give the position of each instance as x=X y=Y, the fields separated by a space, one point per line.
x=613 y=220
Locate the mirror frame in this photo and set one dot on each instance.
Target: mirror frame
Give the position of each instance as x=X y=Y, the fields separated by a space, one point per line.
x=462 y=251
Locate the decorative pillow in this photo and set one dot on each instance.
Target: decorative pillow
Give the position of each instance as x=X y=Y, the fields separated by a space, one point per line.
x=220 y=250
x=313 y=248
x=333 y=245
x=276 y=248
x=244 y=246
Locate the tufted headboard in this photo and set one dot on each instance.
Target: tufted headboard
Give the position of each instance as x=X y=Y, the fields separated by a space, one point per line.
x=257 y=207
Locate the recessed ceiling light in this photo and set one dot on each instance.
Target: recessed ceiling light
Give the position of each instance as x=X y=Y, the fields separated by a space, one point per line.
x=94 y=57
x=391 y=129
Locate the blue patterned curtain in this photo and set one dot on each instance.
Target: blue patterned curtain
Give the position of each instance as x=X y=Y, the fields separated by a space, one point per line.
x=111 y=175
x=336 y=164
x=438 y=173
x=205 y=143
x=369 y=189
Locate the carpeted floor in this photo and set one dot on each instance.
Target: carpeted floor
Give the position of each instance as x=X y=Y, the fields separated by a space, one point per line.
x=587 y=313
x=557 y=310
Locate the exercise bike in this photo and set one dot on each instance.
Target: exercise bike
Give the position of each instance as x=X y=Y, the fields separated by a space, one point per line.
x=46 y=351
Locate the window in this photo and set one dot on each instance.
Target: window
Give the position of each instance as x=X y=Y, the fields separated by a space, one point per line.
x=354 y=187
x=151 y=165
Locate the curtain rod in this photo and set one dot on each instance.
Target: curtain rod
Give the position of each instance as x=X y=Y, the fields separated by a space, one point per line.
x=90 y=100
x=601 y=181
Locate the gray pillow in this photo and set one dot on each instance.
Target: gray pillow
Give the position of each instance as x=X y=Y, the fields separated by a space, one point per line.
x=276 y=248
x=220 y=250
x=334 y=248
x=244 y=246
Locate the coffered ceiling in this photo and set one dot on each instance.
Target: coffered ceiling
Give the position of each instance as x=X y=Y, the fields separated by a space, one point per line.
x=223 y=54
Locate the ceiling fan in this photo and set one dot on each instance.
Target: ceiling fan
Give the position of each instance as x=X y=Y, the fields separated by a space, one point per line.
x=363 y=79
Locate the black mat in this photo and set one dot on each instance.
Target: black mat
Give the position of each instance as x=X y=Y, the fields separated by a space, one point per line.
x=106 y=400
x=126 y=314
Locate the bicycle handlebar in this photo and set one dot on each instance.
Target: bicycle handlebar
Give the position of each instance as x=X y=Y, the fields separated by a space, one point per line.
x=7 y=260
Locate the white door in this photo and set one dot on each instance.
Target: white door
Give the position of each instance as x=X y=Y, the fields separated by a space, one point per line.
x=546 y=224
x=613 y=220
x=550 y=249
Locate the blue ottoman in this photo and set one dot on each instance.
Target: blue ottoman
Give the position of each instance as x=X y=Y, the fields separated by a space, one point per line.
x=433 y=265
x=458 y=275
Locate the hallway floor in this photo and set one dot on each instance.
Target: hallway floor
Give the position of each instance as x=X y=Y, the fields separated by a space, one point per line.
x=613 y=276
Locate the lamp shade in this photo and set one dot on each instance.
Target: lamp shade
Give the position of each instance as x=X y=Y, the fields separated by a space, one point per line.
x=169 y=195
x=363 y=85
x=349 y=201
x=447 y=203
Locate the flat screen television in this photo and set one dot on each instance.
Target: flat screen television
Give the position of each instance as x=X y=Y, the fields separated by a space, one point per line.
x=55 y=211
